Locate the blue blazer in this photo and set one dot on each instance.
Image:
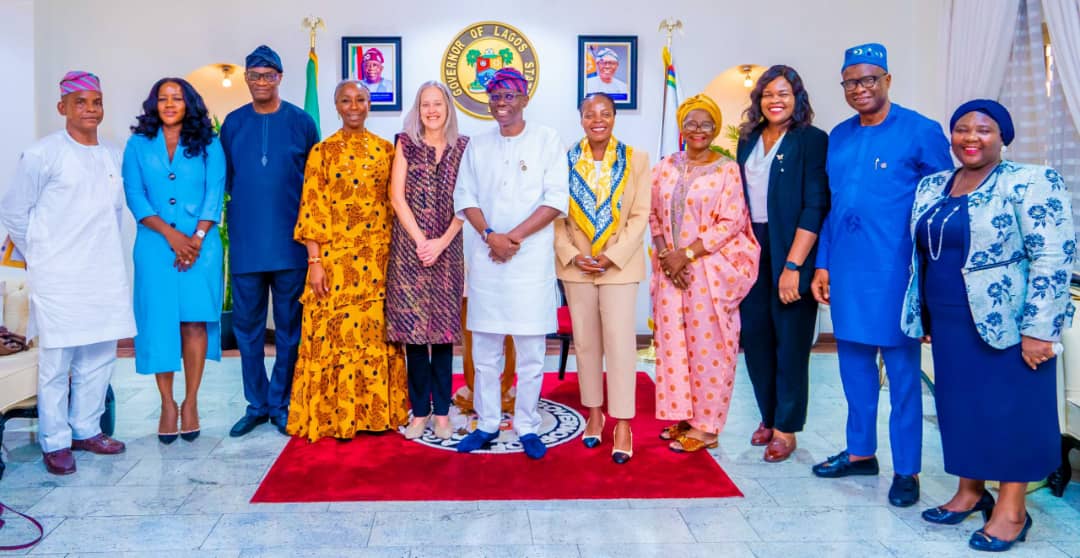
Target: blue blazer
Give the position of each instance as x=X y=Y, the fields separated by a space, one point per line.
x=1020 y=254
x=798 y=196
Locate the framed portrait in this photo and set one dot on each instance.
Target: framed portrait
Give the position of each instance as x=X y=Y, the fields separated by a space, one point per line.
x=375 y=61
x=608 y=64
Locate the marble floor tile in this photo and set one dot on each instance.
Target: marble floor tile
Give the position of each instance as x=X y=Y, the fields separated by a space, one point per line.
x=159 y=554
x=268 y=531
x=855 y=549
x=496 y=551
x=91 y=470
x=93 y=501
x=959 y=547
x=841 y=492
x=346 y=552
x=701 y=550
x=718 y=525
x=237 y=499
x=823 y=524
x=22 y=499
x=608 y=526
x=122 y=534
x=1069 y=548
x=599 y=504
x=206 y=471
x=18 y=531
x=406 y=506
x=483 y=527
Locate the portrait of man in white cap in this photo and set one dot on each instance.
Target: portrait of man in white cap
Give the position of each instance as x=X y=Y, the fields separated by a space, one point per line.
x=607 y=65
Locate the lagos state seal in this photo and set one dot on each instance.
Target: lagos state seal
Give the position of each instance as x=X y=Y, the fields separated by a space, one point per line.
x=474 y=56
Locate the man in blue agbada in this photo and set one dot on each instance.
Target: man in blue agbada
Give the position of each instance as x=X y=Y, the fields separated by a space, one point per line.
x=266 y=146
x=875 y=161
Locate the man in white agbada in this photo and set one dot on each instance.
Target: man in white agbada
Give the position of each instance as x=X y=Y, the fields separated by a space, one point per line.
x=63 y=212
x=607 y=63
x=513 y=182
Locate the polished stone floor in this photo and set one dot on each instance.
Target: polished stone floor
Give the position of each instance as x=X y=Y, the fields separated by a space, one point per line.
x=191 y=499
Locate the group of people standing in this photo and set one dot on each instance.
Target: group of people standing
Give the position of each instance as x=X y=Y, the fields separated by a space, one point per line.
x=363 y=245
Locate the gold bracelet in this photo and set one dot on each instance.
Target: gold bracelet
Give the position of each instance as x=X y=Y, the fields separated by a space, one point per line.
x=314 y=260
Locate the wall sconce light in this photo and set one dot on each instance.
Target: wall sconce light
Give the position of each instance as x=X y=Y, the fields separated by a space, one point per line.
x=226 y=71
x=747 y=81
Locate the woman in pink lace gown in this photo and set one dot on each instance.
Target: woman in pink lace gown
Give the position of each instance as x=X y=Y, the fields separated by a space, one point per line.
x=705 y=260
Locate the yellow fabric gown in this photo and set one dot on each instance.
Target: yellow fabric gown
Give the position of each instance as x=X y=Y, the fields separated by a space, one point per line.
x=347 y=378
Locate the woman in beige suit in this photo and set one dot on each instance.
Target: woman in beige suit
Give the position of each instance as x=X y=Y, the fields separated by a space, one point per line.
x=600 y=257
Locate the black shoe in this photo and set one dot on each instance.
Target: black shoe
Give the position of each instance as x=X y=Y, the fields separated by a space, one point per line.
x=942 y=516
x=247 y=424
x=904 y=491
x=280 y=423
x=841 y=465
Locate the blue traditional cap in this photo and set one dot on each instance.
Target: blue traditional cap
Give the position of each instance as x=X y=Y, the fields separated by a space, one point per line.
x=263 y=57
x=870 y=53
x=607 y=53
x=990 y=108
x=508 y=78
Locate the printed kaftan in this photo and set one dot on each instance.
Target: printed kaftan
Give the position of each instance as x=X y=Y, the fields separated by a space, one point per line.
x=348 y=378
x=697 y=329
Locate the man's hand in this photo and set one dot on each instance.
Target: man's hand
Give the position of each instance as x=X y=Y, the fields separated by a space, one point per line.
x=820 y=285
x=502 y=247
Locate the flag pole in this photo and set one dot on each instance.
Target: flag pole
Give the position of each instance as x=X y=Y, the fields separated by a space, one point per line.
x=313 y=24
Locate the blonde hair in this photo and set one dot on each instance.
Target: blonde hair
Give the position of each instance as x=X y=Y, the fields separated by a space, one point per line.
x=414 y=128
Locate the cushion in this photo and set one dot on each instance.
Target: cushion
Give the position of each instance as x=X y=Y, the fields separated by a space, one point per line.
x=18 y=378
x=16 y=306
x=565 y=326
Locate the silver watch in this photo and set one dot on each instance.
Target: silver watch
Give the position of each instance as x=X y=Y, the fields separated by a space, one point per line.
x=201 y=234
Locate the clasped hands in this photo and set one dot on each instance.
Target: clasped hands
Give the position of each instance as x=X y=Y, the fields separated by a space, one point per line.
x=428 y=250
x=502 y=246
x=674 y=265
x=186 y=248
x=592 y=266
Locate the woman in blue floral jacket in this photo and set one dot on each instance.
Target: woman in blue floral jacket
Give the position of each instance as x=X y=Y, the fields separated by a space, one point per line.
x=994 y=247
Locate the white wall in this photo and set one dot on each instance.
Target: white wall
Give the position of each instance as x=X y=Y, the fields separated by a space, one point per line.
x=137 y=42
x=17 y=99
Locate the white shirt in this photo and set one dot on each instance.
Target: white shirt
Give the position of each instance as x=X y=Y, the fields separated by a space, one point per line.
x=758 y=167
x=63 y=211
x=382 y=86
x=597 y=85
x=509 y=178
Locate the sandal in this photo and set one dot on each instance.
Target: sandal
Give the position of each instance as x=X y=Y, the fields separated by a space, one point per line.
x=690 y=445
x=675 y=431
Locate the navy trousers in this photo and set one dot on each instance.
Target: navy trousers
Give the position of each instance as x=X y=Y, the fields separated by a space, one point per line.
x=267 y=396
x=430 y=376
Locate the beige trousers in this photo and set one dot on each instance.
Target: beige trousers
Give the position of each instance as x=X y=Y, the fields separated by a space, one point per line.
x=603 y=317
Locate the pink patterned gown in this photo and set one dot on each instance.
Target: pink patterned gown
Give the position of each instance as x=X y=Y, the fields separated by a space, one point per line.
x=697 y=330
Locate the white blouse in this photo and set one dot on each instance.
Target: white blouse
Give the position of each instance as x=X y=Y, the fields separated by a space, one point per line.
x=758 y=166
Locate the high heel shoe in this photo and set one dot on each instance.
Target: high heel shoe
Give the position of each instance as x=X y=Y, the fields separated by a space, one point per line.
x=170 y=437
x=942 y=516
x=189 y=435
x=593 y=441
x=987 y=543
x=620 y=456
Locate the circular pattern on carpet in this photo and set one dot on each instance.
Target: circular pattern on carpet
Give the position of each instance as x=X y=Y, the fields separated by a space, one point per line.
x=558 y=424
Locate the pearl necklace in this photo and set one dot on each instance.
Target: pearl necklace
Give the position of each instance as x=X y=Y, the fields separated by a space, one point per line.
x=941 y=237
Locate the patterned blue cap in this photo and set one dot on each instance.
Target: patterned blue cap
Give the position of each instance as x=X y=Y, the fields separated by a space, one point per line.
x=870 y=53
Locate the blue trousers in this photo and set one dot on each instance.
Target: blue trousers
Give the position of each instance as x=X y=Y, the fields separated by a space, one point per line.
x=862 y=386
x=267 y=396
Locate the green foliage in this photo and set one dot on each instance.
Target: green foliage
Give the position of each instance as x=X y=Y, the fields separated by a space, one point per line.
x=223 y=230
x=723 y=151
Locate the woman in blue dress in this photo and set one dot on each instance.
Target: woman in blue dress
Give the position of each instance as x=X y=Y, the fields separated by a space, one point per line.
x=994 y=249
x=174 y=181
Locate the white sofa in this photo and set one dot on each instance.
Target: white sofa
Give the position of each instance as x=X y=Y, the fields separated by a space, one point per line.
x=1068 y=401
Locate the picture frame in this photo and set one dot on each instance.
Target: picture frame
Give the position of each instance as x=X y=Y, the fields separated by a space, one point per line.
x=608 y=64
x=365 y=58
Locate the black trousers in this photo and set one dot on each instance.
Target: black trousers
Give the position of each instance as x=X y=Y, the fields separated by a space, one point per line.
x=430 y=375
x=776 y=340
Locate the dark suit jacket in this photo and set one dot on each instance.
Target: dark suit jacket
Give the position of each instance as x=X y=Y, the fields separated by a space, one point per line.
x=798 y=196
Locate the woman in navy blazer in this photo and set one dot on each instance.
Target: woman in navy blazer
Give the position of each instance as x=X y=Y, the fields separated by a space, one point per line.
x=782 y=159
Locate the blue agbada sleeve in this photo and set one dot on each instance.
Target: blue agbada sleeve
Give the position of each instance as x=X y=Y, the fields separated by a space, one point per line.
x=225 y=137
x=934 y=153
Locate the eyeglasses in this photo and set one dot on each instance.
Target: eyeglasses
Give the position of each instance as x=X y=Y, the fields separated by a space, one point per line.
x=268 y=77
x=868 y=82
x=693 y=126
x=508 y=97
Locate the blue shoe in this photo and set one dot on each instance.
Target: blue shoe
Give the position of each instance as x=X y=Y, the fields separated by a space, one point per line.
x=904 y=491
x=477 y=439
x=247 y=424
x=533 y=446
x=942 y=516
x=981 y=541
x=841 y=465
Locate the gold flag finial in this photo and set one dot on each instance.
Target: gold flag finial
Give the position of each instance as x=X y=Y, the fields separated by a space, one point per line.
x=313 y=24
x=670 y=26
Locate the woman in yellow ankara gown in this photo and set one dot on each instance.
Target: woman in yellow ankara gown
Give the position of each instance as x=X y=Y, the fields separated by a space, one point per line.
x=347 y=378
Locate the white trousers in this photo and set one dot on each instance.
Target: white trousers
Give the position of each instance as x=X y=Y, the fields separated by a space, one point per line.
x=487 y=350
x=61 y=417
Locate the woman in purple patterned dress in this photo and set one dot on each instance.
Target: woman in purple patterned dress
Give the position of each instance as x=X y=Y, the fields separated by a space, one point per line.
x=426 y=271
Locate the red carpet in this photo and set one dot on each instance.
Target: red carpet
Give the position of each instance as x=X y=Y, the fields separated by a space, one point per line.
x=388 y=467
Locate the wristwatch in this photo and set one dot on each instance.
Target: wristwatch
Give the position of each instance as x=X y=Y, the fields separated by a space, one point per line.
x=200 y=233
x=487 y=232
x=690 y=255
x=791 y=265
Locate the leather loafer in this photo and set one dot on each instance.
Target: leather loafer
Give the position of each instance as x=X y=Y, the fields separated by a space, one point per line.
x=281 y=423
x=477 y=439
x=779 y=450
x=762 y=436
x=904 y=491
x=59 y=462
x=100 y=444
x=246 y=424
x=534 y=447
x=942 y=516
x=841 y=465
